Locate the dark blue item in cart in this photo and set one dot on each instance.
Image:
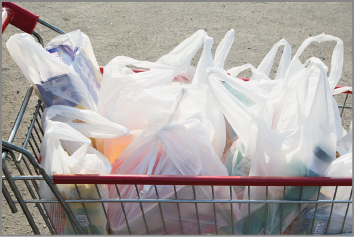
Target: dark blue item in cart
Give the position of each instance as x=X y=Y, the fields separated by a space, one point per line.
x=59 y=91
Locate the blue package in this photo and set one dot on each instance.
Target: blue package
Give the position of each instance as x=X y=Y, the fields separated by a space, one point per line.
x=58 y=90
x=76 y=57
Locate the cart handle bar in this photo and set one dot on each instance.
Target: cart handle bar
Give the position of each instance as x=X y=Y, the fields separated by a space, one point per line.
x=199 y=180
x=18 y=17
x=245 y=79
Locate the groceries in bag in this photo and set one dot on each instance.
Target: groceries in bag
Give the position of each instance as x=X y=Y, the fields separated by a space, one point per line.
x=91 y=218
x=56 y=160
x=157 y=151
x=55 y=82
x=75 y=50
x=65 y=149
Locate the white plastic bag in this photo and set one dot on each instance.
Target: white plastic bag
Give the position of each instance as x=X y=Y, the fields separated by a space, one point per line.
x=277 y=89
x=90 y=124
x=341 y=167
x=170 y=148
x=121 y=83
x=335 y=74
x=260 y=76
x=75 y=50
x=345 y=144
x=54 y=82
x=223 y=49
x=336 y=62
x=65 y=150
x=85 y=160
x=304 y=150
x=143 y=99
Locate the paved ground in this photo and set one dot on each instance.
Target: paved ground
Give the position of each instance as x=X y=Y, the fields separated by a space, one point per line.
x=146 y=31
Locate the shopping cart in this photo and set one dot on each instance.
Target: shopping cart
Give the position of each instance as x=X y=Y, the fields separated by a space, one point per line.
x=26 y=168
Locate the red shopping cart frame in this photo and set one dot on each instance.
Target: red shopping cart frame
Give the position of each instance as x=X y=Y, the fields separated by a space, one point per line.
x=18 y=17
x=199 y=180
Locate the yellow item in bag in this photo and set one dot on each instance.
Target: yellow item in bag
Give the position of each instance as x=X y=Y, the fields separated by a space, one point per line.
x=113 y=147
x=92 y=218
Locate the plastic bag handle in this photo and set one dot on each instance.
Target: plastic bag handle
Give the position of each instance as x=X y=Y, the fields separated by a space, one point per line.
x=223 y=49
x=268 y=60
x=336 y=62
x=20 y=17
x=229 y=104
x=94 y=125
x=298 y=91
x=205 y=61
x=237 y=70
x=175 y=106
x=176 y=60
x=322 y=83
x=180 y=57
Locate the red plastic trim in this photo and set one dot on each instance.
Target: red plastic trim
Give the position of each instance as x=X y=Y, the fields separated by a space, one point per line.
x=133 y=69
x=199 y=180
x=21 y=18
x=6 y=18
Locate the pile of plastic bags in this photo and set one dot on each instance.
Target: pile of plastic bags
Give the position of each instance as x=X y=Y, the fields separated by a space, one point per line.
x=177 y=119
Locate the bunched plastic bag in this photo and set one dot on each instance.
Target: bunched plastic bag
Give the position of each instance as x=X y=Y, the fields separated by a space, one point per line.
x=120 y=99
x=65 y=149
x=55 y=82
x=140 y=100
x=75 y=50
x=170 y=148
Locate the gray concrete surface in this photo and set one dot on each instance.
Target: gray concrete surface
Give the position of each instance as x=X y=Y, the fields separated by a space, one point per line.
x=146 y=31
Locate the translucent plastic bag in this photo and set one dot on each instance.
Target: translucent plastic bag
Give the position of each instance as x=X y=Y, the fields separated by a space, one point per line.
x=75 y=50
x=278 y=89
x=143 y=99
x=260 y=75
x=157 y=151
x=121 y=87
x=335 y=73
x=223 y=49
x=341 y=167
x=345 y=144
x=65 y=150
x=54 y=82
x=303 y=150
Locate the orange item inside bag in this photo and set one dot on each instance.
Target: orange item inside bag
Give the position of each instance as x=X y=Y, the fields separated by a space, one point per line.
x=113 y=147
